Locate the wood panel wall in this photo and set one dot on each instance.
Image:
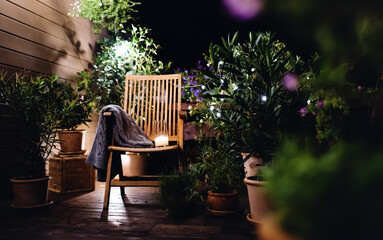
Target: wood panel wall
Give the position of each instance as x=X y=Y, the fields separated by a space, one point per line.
x=40 y=36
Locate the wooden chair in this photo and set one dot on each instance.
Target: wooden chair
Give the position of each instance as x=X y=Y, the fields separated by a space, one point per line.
x=149 y=99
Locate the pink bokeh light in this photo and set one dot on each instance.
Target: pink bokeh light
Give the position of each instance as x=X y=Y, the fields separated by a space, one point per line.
x=290 y=81
x=243 y=9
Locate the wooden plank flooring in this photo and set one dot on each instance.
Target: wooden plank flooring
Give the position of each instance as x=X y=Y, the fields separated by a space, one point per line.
x=139 y=216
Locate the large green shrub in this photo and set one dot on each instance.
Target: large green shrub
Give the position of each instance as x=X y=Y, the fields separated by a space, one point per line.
x=256 y=88
x=109 y=14
x=335 y=196
x=117 y=58
x=36 y=102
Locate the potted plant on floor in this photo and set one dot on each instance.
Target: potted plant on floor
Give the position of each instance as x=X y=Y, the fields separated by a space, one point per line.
x=35 y=102
x=77 y=106
x=259 y=87
x=178 y=192
x=222 y=171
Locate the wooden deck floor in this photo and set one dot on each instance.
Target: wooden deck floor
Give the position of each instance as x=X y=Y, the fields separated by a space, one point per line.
x=81 y=216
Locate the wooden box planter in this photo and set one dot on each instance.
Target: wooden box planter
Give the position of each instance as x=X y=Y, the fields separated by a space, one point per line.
x=70 y=173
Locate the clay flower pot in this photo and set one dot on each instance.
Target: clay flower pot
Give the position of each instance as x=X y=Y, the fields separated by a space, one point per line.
x=71 y=141
x=222 y=204
x=30 y=193
x=259 y=204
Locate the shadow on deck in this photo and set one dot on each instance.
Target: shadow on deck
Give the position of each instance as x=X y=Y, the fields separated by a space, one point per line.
x=81 y=216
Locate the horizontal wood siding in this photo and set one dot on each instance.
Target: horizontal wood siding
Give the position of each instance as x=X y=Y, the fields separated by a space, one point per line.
x=40 y=36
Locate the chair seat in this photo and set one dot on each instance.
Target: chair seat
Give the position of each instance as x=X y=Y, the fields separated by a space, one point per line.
x=143 y=150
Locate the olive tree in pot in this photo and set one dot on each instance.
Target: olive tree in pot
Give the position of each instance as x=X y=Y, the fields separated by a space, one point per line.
x=221 y=168
x=256 y=90
x=77 y=106
x=35 y=102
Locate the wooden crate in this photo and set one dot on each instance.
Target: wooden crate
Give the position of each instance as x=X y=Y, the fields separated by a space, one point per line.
x=70 y=173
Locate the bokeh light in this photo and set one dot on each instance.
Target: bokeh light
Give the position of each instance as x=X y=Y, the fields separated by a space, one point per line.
x=243 y=9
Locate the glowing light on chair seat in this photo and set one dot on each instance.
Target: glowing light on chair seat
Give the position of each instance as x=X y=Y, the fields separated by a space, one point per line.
x=161 y=141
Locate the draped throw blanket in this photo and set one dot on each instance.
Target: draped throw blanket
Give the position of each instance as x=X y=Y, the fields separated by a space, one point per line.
x=126 y=134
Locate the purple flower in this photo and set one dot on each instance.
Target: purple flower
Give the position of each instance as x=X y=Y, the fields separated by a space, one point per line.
x=359 y=88
x=82 y=98
x=199 y=61
x=303 y=111
x=320 y=104
x=290 y=82
x=199 y=67
x=192 y=89
x=197 y=92
x=195 y=82
x=182 y=92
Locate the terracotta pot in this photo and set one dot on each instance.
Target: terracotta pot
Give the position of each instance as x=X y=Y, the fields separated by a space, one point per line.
x=133 y=164
x=251 y=165
x=258 y=201
x=71 y=141
x=221 y=204
x=30 y=193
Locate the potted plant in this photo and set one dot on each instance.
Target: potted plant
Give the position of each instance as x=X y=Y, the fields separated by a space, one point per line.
x=256 y=89
x=222 y=171
x=35 y=102
x=77 y=106
x=178 y=192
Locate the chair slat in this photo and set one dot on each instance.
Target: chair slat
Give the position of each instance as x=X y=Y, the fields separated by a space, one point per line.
x=146 y=105
x=174 y=104
x=142 y=114
x=154 y=98
x=150 y=107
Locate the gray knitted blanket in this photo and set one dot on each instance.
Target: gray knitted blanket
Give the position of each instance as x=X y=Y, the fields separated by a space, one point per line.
x=126 y=134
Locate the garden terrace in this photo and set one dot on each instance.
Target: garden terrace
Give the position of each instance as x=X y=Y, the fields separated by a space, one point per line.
x=277 y=105
x=138 y=216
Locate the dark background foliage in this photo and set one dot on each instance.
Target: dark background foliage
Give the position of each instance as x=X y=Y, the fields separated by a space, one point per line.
x=185 y=28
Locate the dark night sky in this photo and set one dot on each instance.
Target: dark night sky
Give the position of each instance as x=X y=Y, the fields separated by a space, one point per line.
x=184 y=28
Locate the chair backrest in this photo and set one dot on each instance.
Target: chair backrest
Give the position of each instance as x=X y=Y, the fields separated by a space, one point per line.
x=150 y=99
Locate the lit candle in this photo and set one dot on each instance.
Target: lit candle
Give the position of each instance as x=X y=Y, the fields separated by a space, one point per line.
x=161 y=141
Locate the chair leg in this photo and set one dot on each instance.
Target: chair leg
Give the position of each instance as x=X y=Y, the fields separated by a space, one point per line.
x=180 y=162
x=108 y=180
x=122 y=190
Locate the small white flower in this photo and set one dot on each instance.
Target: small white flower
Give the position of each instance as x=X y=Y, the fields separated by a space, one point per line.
x=203 y=86
x=190 y=107
x=308 y=102
x=235 y=87
x=218 y=114
x=212 y=108
x=253 y=69
x=200 y=121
